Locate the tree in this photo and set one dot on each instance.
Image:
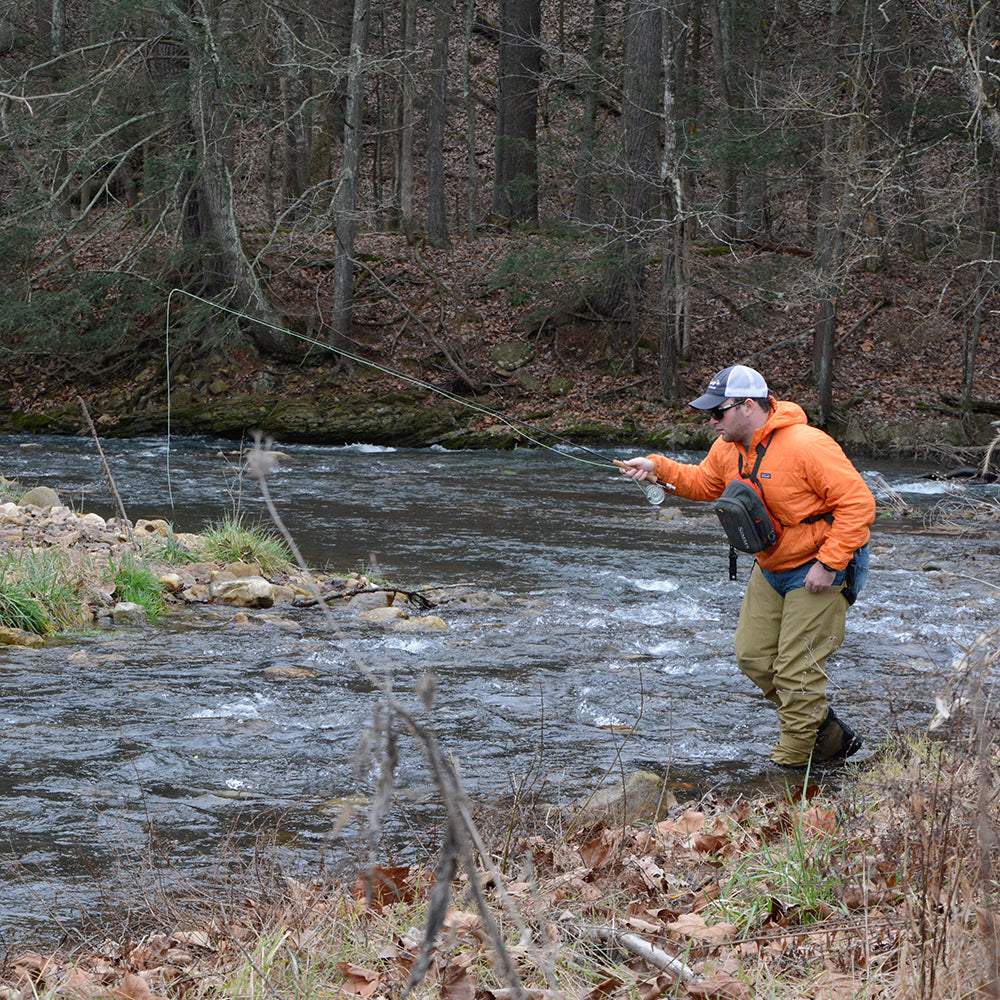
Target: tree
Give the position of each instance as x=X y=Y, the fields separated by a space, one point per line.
x=674 y=287
x=346 y=197
x=212 y=192
x=623 y=289
x=437 y=116
x=736 y=38
x=515 y=179
x=583 y=208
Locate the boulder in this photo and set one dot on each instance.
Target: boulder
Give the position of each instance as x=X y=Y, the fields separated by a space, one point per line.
x=560 y=385
x=529 y=383
x=366 y=601
x=158 y=527
x=40 y=496
x=643 y=798
x=283 y=594
x=512 y=355
x=249 y=592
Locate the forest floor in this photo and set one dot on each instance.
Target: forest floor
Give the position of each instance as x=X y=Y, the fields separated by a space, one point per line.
x=437 y=316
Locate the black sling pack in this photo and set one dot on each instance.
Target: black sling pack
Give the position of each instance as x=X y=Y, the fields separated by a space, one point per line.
x=745 y=518
x=748 y=524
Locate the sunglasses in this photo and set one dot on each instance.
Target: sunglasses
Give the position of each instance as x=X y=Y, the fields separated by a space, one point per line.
x=718 y=412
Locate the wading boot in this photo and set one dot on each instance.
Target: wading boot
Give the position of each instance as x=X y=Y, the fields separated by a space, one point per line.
x=835 y=740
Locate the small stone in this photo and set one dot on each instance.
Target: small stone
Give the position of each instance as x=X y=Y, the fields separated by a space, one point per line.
x=383 y=614
x=171 y=582
x=241 y=570
x=427 y=623
x=19 y=637
x=129 y=613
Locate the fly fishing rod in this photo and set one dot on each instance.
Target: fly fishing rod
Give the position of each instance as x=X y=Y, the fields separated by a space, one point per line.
x=654 y=491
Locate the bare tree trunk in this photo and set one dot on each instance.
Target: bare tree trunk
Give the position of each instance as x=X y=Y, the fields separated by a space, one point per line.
x=673 y=251
x=987 y=269
x=723 y=44
x=623 y=291
x=895 y=59
x=828 y=235
x=437 y=116
x=469 y=103
x=736 y=40
x=345 y=199
x=515 y=182
x=295 y=88
x=51 y=20
x=583 y=209
x=969 y=35
x=404 y=158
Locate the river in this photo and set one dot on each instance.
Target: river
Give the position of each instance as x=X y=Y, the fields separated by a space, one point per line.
x=139 y=757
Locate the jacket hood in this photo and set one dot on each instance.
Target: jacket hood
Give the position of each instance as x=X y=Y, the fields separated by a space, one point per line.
x=784 y=414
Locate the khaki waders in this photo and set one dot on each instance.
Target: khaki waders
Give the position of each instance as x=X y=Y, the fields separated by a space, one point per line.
x=782 y=644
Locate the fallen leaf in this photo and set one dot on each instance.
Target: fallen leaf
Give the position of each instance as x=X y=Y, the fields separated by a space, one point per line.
x=462 y=922
x=689 y=822
x=602 y=989
x=382 y=886
x=695 y=927
x=33 y=966
x=455 y=981
x=706 y=843
x=721 y=986
x=650 y=989
x=132 y=987
x=817 y=820
x=359 y=981
x=597 y=851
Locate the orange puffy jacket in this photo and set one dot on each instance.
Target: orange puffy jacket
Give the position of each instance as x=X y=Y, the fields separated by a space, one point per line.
x=804 y=475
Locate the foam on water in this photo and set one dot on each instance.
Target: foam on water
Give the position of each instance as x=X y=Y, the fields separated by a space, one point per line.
x=652 y=586
x=253 y=707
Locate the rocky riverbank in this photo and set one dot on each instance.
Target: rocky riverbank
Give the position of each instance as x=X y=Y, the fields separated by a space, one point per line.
x=87 y=550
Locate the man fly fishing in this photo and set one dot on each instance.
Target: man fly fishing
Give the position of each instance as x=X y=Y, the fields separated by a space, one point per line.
x=786 y=492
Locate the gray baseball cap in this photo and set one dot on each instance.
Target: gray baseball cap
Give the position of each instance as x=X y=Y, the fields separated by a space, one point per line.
x=735 y=382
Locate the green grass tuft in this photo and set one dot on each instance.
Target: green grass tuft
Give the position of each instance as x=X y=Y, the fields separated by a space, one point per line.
x=138 y=584
x=39 y=591
x=19 y=609
x=232 y=540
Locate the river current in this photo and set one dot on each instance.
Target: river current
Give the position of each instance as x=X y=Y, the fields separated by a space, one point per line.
x=167 y=752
